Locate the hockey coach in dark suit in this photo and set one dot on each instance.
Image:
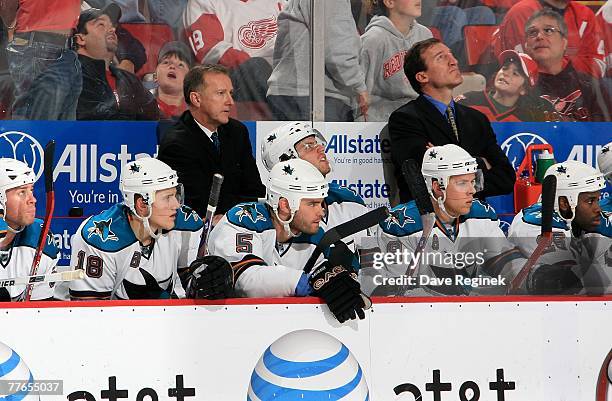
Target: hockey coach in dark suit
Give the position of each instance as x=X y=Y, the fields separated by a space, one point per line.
x=205 y=141
x=434 y=119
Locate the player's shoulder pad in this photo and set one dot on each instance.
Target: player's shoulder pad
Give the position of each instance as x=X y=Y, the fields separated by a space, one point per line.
x=309 y=238
x=253 y=216
x=404 y=219
x=29 y=237
x=187 y=219
x=109 y=231
x=481 y=210
x=533 y=215
x=339 y=193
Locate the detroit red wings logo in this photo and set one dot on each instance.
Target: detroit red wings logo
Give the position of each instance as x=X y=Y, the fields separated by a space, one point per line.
x=566 y=107
x=256 y=34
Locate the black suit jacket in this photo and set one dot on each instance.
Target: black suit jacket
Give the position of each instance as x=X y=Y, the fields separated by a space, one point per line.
x=418 y=122
x=187 y=149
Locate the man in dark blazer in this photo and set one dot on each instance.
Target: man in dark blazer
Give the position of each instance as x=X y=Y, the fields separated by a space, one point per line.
x=205 y=141
x=426 y=121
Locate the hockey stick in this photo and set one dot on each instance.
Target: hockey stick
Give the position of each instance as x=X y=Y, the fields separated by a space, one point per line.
x=213 y=200
x=549 y=189
x=351 y=227
x=43 y=278
x=418 y=189
x=49 y=206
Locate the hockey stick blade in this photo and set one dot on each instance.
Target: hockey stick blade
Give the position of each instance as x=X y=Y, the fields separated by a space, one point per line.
x=49 y=207
x=418 y=188
x=213 y=201
x=343 y=230
x=43 y=278
x=549 y=189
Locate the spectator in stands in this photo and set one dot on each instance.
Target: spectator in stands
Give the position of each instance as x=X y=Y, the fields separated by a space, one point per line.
x=583 y=35
x=238 y=35
x=383 y=46
x=46 y=73
x=205 y=141
x=575 y=96
x=435 y=119
x=290 y=79
x=604 y=18
x=173 y=63
x=511 y=98
x=109 y=93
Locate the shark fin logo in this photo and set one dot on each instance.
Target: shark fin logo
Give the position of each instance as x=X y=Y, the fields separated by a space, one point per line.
x=249 y=210
x=398 y=217
x=102 y=228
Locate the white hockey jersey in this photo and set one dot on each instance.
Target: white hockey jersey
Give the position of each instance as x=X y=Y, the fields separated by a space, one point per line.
x=470 y=257
x=246 y=238
x=118 y=266
x=228 y=32
x=588 y=255
x=17 y=261
x=344 y=205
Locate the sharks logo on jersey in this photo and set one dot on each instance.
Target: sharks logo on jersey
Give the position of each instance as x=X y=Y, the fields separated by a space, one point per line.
x=190 y=213
x=102 y=228
x=249 y=210
x=398 y=217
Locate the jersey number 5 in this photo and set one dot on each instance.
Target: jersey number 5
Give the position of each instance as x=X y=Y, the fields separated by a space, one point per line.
x=243 y=243
x=93 y=268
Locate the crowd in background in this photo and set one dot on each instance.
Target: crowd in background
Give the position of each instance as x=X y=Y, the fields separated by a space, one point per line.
x=266 y=47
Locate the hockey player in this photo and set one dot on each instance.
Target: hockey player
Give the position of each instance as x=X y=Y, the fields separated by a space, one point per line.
x=256 y=238
x=604 y=160
x=582 y=236
x=467 y=252
x=133 y=249
x=18 y=247
x=300 y=140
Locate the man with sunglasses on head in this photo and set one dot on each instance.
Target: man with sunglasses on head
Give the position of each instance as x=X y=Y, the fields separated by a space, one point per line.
x=135 y=249
x=576 y=96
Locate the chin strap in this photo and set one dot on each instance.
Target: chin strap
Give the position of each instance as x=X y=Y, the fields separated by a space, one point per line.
x=15 y=230
x=145 y=223
x=441 y=206
x=286 y=224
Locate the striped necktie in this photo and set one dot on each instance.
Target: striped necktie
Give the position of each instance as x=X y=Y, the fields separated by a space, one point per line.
x=215 y=140
x=451 y=120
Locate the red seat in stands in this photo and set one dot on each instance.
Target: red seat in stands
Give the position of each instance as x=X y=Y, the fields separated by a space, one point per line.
x=478 y=40
x=152 y=37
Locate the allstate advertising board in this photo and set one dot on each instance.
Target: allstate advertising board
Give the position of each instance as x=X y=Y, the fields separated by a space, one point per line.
x=89 y=157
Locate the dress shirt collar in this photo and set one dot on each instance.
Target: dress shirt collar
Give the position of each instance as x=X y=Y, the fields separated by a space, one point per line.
x=206 y=130
x=440 y=106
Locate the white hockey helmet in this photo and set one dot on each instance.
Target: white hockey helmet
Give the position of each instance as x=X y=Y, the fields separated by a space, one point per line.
x=573 y=178
x=294 y=180
x=442 y=162
x=279 y=144
x=144 y=177
x=13 y=174
x=604 y=160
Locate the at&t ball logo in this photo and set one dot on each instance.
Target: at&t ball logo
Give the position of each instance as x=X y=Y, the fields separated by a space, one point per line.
x=515 y=146
x=13 y=368
x=307 y=365
x=23 y=147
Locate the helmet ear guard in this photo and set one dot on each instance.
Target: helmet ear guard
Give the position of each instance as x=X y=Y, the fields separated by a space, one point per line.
x=574 y=178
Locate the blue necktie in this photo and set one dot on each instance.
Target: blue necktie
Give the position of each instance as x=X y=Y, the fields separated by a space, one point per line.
x=215 y=140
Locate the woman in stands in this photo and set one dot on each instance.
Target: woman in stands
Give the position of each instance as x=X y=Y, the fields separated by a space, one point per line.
x=389 y=34
x=173 y=63
x=511 y=96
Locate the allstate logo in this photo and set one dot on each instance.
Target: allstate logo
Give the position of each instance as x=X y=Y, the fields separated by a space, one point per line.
x=604 y=380
x=516 y=145
x=307 y=365
x=14 y=369
x=23 y=147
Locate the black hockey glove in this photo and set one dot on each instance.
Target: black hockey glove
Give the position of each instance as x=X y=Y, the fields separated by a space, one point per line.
x=338 y=287
x=210 y=277
x=553 y=280
x=5 y=296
